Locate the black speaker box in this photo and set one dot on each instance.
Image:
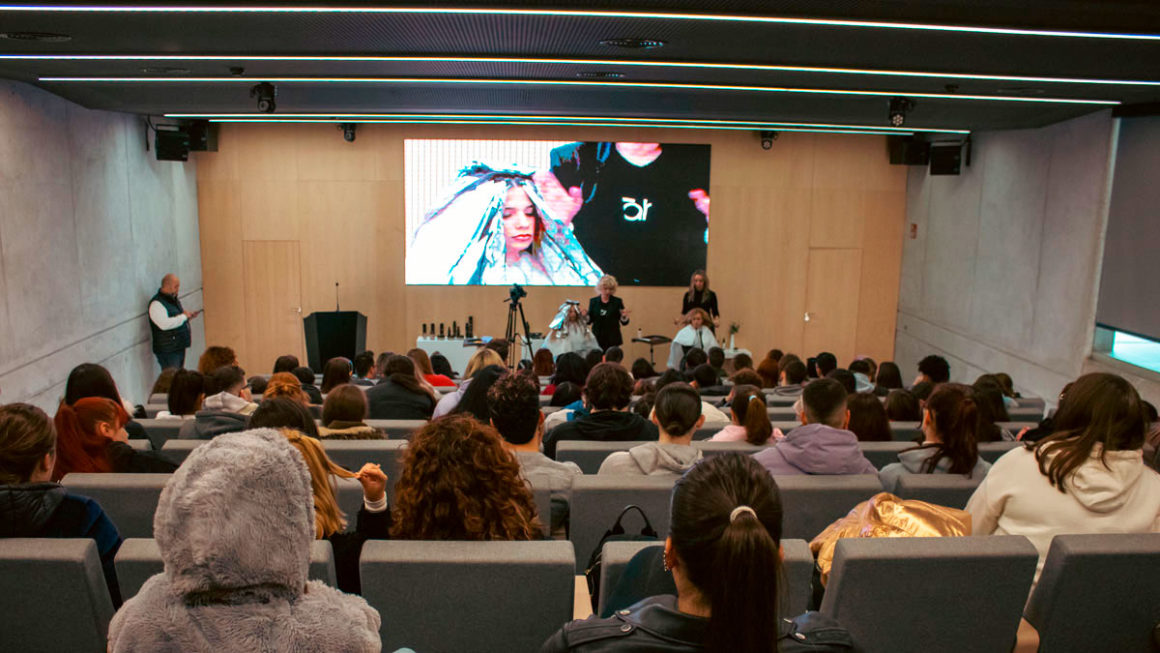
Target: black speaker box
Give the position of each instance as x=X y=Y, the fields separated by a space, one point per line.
x=171 y=145
x=946 y=158
x=907 y=151
x=203 y=136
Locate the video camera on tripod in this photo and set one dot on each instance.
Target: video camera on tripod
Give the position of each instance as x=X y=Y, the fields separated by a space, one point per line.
x=516 y=293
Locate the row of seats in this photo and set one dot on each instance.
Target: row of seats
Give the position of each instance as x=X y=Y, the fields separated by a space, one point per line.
x=966 y=594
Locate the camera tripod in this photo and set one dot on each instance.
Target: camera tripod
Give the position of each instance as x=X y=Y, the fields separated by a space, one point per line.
x=512 y=332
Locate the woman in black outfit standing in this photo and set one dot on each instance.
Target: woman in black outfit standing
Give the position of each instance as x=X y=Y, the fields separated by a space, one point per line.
x=607 y=313
x=699 y=296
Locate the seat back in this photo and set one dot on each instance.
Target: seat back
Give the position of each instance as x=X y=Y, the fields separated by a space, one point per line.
x=950 y=490
x=541 y=487
x=1098 y=593
x=128 y=499
x=588 y=454
x=598 y=500
x=964 y=594
x=397 y=429
x=1026 y=413
x=991 y=451
x=140 y=445
x=151 y=409
x=905 y=431
x=352 y=454
x=160 y=431
x=53 y=596
x=710 y=449
x=139 y=559
x=468 y=596
x=811 y=503
x=881 y=454
x=178 y=450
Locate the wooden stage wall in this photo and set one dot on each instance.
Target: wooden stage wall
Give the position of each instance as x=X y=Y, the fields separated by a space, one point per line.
x=813 y=226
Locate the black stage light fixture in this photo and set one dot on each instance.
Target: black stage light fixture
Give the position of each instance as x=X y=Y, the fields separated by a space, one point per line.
x=767 y=139
x=265 y=93
x=348 y=129
x=899 y=106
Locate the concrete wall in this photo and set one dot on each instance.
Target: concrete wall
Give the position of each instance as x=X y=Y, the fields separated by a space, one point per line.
x=1004 y=271
x=89 y=223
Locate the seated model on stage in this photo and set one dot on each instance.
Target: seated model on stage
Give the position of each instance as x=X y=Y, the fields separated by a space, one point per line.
x=496 y=229
x=699 y=296
x=694 y=335
x=569 y=332
x=607 y=313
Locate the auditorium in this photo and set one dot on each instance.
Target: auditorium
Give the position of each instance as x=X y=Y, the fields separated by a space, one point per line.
x=354 y=326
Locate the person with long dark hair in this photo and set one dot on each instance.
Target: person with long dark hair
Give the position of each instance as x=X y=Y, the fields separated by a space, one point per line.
x=1088 y=476
x=92 y=380
x=399 y=395
x=750 y=419
x=474 y=400
x=336 y=372
x=950 y=424
x=91 y=438
x=723 y=551
x=902 y=406
x=889 y=376
x=186 y=393
x=868 y=420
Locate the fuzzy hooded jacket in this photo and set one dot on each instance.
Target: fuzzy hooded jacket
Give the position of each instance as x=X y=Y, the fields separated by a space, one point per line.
x=912 y=461
x=651 y=459
x=816 y=449
x=234 y=526
x=1121 y=496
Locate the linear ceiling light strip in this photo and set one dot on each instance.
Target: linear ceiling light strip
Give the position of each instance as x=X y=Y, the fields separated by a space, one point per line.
x=560 y=82
x=577 y=13
x=877 y=132
x=581 y=62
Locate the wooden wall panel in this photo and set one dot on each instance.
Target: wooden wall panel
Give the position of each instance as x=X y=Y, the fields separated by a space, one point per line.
x=273 y=296
x=343 y=203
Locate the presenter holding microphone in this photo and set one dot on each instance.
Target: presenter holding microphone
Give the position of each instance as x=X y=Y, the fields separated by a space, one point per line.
x=169 y=323
x=699 y=296
x=606 y=313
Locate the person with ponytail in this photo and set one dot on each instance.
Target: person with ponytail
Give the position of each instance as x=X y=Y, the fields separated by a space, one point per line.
x=31 y=505
x=677 y=414
x=950 y=424
x=400 y=395
x=724 y=554
x=91 y=437
x=750 y=419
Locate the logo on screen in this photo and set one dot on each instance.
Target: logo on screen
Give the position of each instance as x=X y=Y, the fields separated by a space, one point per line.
x=635 y=211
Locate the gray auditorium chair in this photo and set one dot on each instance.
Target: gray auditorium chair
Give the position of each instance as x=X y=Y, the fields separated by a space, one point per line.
x=397 y=429
x=598 y=500
x=349 y=494
x=778 y=400
x=1032 y=402
x=798 y=566
x=1026 y=413
x=950 y=490
x=151 y=410
x=905 y=431
x=140 y=445
x=352 y=454
x=991 y=451
x=128 y=499
x=710 y=449
x=921 y=594
x=782 y=413
x=545 y=400
x=160 y=431
x=881 y=454
x=442 y=597
x=588 y=454
x=178 y=450
x=811 y=503
x=53 y=596
x=159 y=398
x=139 y=559
x=1098 y=593
x=541 y=487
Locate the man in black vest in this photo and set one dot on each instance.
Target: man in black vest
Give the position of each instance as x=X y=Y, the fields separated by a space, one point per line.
x=169 y=323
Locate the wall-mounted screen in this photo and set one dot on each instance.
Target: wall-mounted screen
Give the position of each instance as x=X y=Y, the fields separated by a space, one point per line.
x=555 y=213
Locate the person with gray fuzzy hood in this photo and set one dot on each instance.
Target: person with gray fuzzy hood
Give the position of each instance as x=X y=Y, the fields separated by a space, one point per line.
x=822 y=445
x=677 y=414
x=234 y=526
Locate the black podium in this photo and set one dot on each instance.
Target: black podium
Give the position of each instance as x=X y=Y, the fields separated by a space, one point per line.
x=334 y=333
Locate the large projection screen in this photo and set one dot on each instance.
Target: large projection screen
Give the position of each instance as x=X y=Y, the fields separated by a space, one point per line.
x=554 y=213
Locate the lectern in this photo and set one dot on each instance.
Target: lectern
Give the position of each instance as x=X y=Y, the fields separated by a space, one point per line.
x=334 y=333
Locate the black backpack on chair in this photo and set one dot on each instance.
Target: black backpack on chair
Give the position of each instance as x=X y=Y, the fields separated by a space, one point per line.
x=615 y=534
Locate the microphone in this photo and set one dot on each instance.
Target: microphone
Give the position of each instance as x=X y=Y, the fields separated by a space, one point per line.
x=336 y=297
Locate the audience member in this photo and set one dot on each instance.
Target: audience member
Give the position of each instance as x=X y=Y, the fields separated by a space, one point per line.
x=713 y=416
x=901 y=406
x=793 y=379
x=91 y=437
x=479 y=360
x=474 y=401
x=224 y=411
x=306 y=378
x=440 y=365
x=92 y=380
x=742 y=361
x=215 y=357
x=500 y=346
x=706 y=382
x=989 y=399
x=381 y=363
x=1007 y=384
x=1046 y=426
x=285 y=384
x=257 y=385
x=692 y=359
x=992 y=381
x=826 y=363
x=570 y=368
x=164 y=380
x=459 y=482
x=344 y=415
x=949 y=424
x=922 y=390
x=889 y=376
x=543 y=363
x=287 y=363
x=423 y=364
x=846 y=378
x=566 y=394
x=373 y=521
x=868 y=420
x=769 y=370
x=514 y=408
x=934 y=370
x=862 y=383
x=186 y=394
x=724 y=554
x=1087 y=477
x=336 y=372
x=717 y=361
x=284 y=413
x=364 y=369
x=822 y=445
x=746 y=377
x=677 y=415
x=607 y=392
x=642 y=369
x=398 y=395
x=593 y=358
x=33 y=506
x=234 y=527
x=750 y=420
x=873 y=374
x=613 y=354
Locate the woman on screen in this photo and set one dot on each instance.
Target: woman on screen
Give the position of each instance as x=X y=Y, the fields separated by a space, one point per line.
x=496 y=229
x=694 y=335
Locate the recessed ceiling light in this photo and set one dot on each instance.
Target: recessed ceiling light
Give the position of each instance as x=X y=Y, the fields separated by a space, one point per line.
x=633 y=44
x=164 y=70
x=40 y=37
x=1020 y=90
x=599 y=74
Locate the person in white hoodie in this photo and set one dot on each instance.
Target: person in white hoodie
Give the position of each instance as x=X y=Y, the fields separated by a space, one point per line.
x=1088 y=476
x=677 y=414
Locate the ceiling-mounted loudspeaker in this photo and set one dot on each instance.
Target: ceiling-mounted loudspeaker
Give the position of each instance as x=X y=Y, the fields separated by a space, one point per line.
x=907 y=150
x=203 y=135
x=171 y=145
x=946 y=158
